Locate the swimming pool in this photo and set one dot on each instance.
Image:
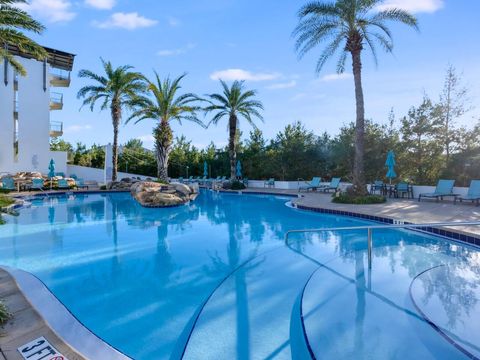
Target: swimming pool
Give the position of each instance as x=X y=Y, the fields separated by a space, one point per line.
x=214 y=280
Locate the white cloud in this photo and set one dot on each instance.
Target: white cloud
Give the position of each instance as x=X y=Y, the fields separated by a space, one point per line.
x=173 y=52
x=101 y=4
x=146 y=138
x=283 y=85
x=51 y=10
x=414 y=6
x=173 y=22
x=129 y=21
x=77 y=128
x=335 y=77
x=240 y=74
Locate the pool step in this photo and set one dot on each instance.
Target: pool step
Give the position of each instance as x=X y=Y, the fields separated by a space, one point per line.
x=249 y=315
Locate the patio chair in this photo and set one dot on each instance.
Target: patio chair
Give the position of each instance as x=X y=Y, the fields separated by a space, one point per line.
x=443 y=189
x=62 y=184
x=473 y=194
x=269 y=183
x=334 y=184
x=8 y=184
x=377 y=185
x=37 y=184
x=403 y=188
x=80 y=184
x=312 y=185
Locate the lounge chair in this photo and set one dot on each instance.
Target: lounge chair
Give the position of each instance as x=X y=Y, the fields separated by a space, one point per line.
x=60 y=174
x=269 y=183
x=245 y=181
x=37 y=184
x=80 y=184
x=63 y=185
x=334 y=184
x=180 y=179
x=377 y=185
x=403 y=188
x=8 y=184
x=312 y=185
x=73 y=176
x=473 y=194
x=443 y=189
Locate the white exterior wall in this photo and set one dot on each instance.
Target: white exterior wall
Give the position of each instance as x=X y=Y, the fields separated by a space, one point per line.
x=33 y=121
x=98 y=175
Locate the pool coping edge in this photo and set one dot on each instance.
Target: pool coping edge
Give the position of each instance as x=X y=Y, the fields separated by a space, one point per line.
x=60 y=320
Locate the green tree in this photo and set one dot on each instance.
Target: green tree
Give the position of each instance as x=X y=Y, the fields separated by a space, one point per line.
x=452 y=105
x=165 y=107
x=420 y=156
x=135 y=159
x=116 y=90
x=234 y=103
x=349 y=26
x=12 y=22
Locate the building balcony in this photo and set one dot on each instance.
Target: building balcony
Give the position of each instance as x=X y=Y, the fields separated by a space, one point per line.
x=60 y=78
x=56 y=101
x=56 y=129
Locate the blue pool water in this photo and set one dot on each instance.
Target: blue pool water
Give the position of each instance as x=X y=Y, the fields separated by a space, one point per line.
x=214 y=280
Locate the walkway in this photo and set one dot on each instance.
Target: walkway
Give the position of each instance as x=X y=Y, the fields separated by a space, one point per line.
x=25 y=325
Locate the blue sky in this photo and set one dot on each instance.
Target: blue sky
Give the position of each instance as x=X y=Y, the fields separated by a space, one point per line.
x=251 y=39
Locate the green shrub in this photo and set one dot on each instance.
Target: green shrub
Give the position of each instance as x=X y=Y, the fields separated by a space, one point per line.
x=103 y=187
x=4 y=314
x=4 y=191
x=359 y=200
x=237 y=185
x=5 y=201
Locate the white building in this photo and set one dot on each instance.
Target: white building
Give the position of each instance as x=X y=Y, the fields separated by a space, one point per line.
x=25 y=105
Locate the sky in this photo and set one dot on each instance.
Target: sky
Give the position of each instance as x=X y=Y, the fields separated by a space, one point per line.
x=252 y=40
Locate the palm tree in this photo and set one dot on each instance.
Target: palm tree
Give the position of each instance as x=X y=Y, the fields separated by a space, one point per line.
x=165 y=106
x=116 y=90
x=12 y=21
x=349 y=26
x=235 y=102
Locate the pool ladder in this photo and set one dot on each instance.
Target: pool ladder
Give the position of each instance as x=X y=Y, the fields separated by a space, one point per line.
x=370 y=228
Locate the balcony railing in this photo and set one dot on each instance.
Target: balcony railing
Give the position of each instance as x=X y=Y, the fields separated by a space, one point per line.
x=60 y=78
x=56 y=128
x=56 y=101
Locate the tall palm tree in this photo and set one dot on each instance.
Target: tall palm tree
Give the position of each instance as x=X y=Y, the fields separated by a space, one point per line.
x=349 y=26
x=116 y=90
x=235 y=102
x=165 y=106
x=13 y=21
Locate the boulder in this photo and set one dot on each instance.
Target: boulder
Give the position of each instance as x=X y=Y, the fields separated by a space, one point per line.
x=152 y=194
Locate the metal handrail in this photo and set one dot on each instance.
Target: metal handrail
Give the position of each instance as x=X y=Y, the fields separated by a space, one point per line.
x=370 y=229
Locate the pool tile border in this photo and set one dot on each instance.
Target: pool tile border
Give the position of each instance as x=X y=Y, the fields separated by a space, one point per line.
x=449 y=234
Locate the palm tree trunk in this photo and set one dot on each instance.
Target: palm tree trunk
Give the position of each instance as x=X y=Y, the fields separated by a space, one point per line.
x=359 y=186
x=163 y=145
x=116 y=117
x=231 y=146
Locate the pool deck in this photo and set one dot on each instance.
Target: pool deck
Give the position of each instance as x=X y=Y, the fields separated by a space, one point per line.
x=407 y=210
x=25 y=325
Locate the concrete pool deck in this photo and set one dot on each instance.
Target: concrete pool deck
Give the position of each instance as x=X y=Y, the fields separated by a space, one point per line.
x=405 y=210
x=25 y=325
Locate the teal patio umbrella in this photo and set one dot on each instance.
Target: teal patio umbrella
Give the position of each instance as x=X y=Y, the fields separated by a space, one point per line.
x=205 y=169
x=239 y=169
x=51 y=171
x=390 y=164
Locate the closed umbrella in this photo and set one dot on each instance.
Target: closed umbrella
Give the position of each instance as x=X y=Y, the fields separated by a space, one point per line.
x=205 y=169
x=51 y=171
x=390 y=164
x=239 y=169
